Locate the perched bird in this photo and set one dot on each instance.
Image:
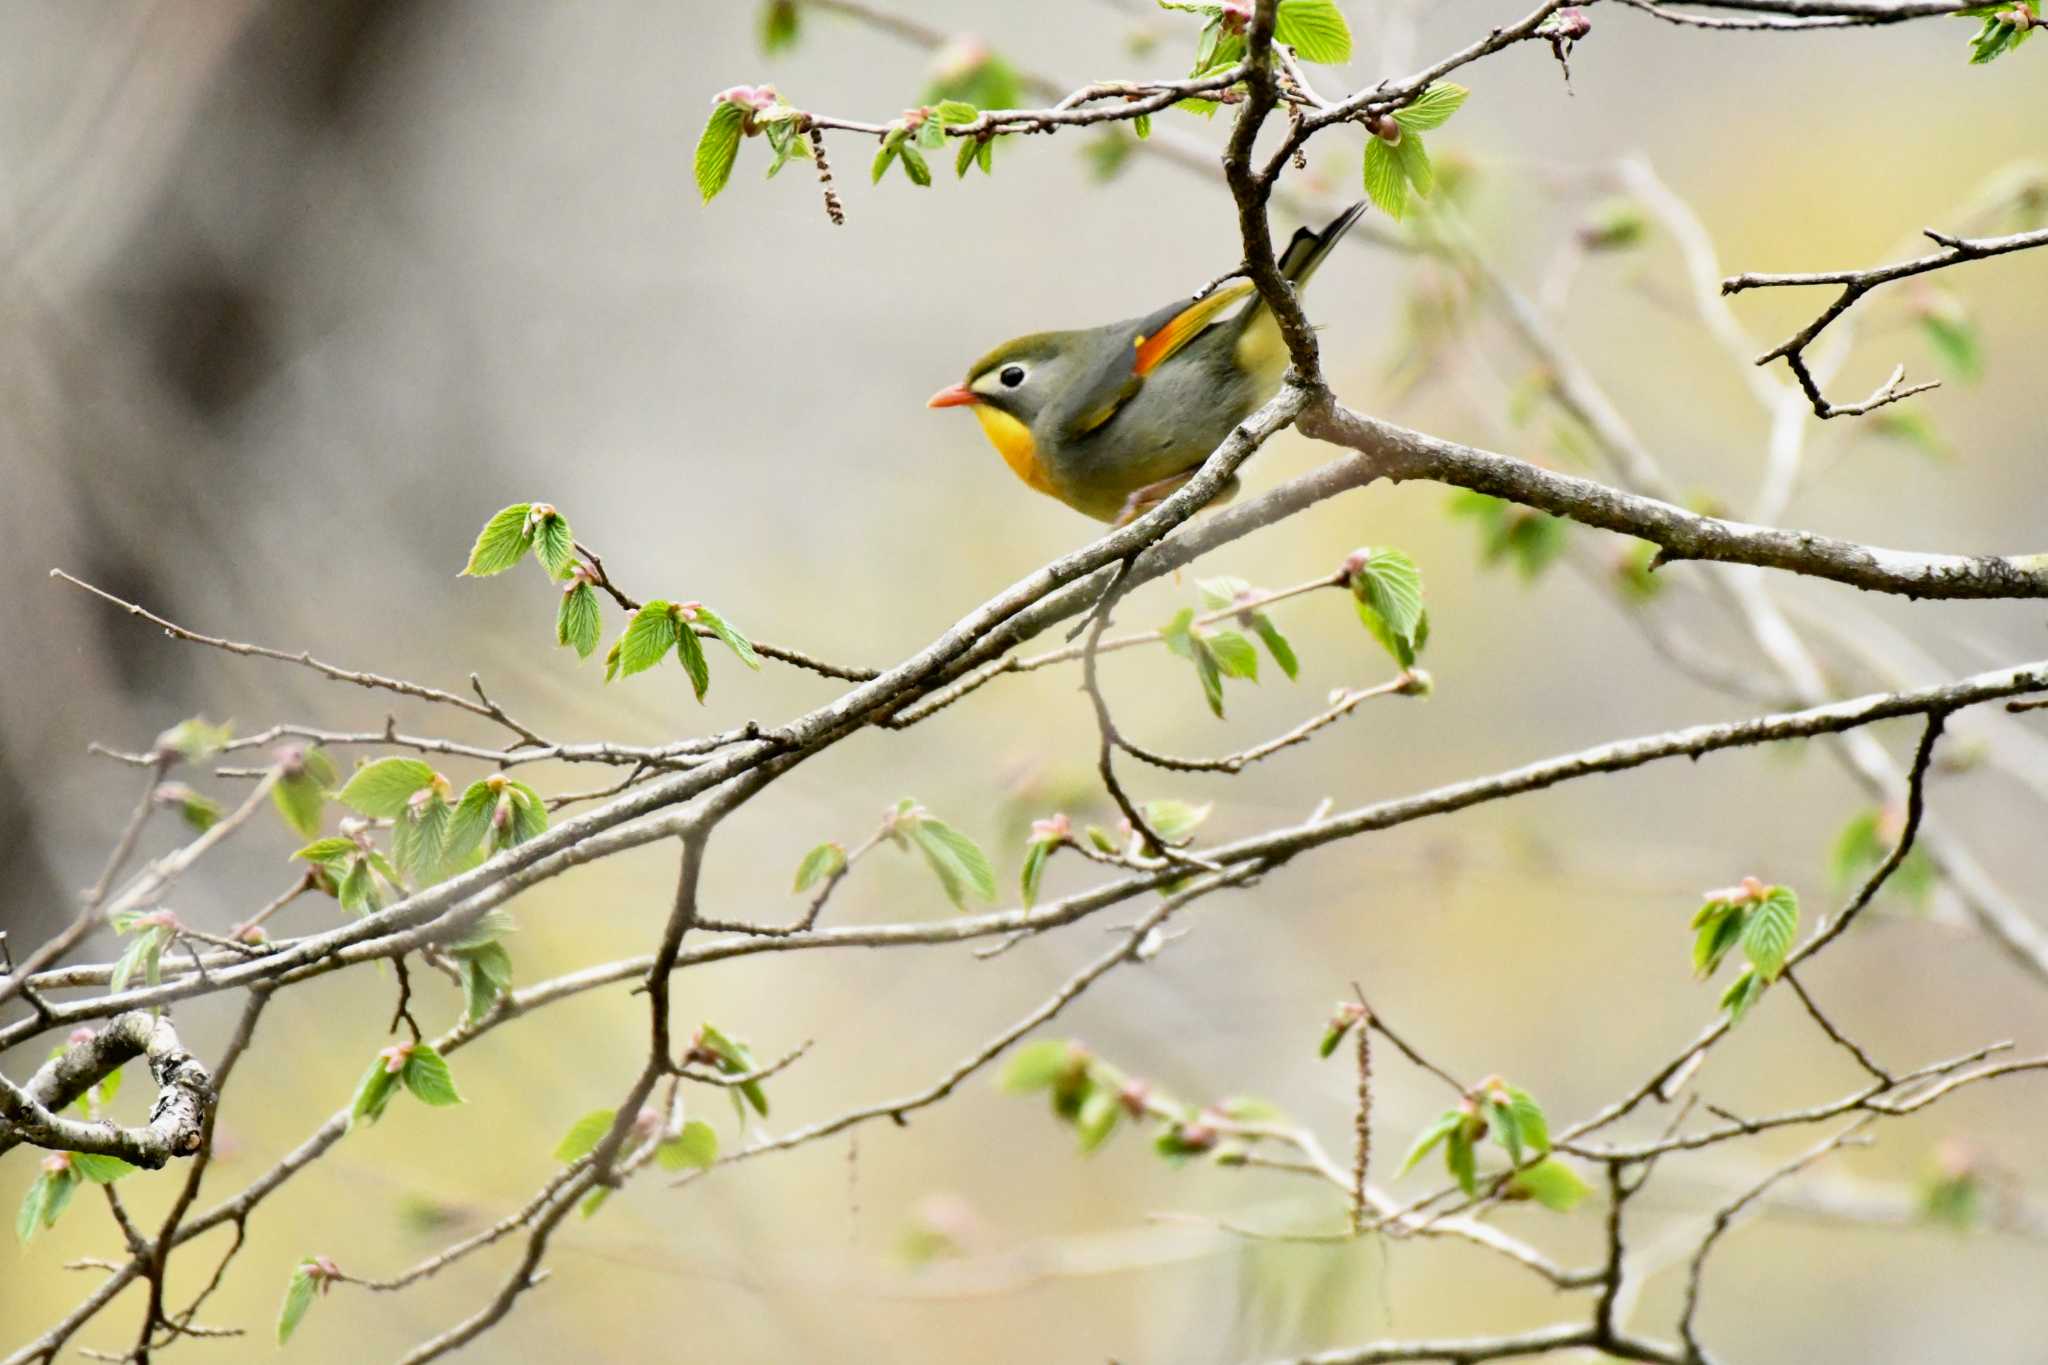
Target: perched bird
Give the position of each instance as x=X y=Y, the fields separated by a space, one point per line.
x=1112 y=419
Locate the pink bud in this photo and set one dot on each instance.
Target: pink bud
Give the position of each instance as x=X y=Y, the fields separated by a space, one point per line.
x=56 y=1163
x=80 y=1035
x=394 y=1058
x=1355 y=561
x=1052 y=829
x=1134 y=1097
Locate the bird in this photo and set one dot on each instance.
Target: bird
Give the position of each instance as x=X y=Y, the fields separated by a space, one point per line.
x=1110 y=420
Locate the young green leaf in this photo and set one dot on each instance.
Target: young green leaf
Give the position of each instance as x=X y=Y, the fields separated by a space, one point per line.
x=426 y=1074
x=690 y=653
x=1235 y=657
x=1460 y=1160
x=735 y=1058
x=300 y=792
x=695 y=1148
x=1209 y=672
x=1767 y=937
x=1315 y=29
x=718 y=147
x=1507 y=1130
x=584 y=1135
x=1448 y=1122
x=505 y=539
x=486 y=972
x=1098 y=1117
x=100 y=1170
x=1386 y=183
x=1276 y=644
x=956 y=860
x=649 y=636
x=1036 y=854
x=915 y=166
x=1432 y=108
x=529 y=812
x=1175 y=820
x=1551 y=1183
x=298 y=1297
x=826 y=860
x=554 y=545
x=735 y=640
x=577 y=621
x=1414 y=160
x=1530 y=1122
x=373 y=1092
x=380 y=790
x=1036 y=1066
x=780 y=25
x=472 y=820
x=1388 y=588
x=1741 y=994
x=594 y=1201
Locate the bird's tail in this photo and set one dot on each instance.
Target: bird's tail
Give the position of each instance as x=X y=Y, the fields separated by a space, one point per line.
x=1260 y=347
x=1307 y=249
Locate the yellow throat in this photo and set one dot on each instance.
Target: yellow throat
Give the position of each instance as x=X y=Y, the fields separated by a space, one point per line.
x=1012 y=440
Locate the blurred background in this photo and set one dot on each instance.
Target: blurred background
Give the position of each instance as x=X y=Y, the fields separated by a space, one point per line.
x=297 y=294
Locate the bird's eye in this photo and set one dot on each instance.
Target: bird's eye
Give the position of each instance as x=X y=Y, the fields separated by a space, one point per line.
x=1012 y=376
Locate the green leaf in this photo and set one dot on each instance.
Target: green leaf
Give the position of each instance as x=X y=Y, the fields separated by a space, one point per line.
x=419 y=838
x=956 y=111
x=101 y=1170
x=1767 y=937
x=584 y=1135
x=695 y=1148
x=380 y=790
x=690 y=653
x=735 y=639
x=142 y=958
x=1036 y=1066
x=956 y=860
x=471 y=822
x=1142 y=126
x=1432 y=108
x=1954 y=340
x=1448 y=1122
x=529 y=812
x=915 y=166
x=554 y=545
x=1098 y=1117
x=1174 y=820
x=1551 y=1183
x=426 y=1074
x=301 y=796
x=826 y=860
x=1507 y=1131
x=504 y=541
x=1460 y=1160
x=1315 y=29
x=594 y=1201
x=373 y=1093
x=649 y=636
x=882 y=160
x=1276 y=644
x=195 y=740
x=735 y=1058
x=1720 y=928
x=30 y=1216
x=486 y=972
x=200 y=812
x=779 y=26
x=965 y=158
x=1209 y=673
x=1911 y=427
x=1035 y=856
x=298 y=1297
x=1388 y=588
x=1414 y=159
x=1529 y=1120
x=718 y=146
x=1386 y=183
x=1742 y=993
x=1235 y=657
x=931 y=135
x=578 y=621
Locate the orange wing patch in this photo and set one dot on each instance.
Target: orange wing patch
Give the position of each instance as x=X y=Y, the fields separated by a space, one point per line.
x=1186 y=325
